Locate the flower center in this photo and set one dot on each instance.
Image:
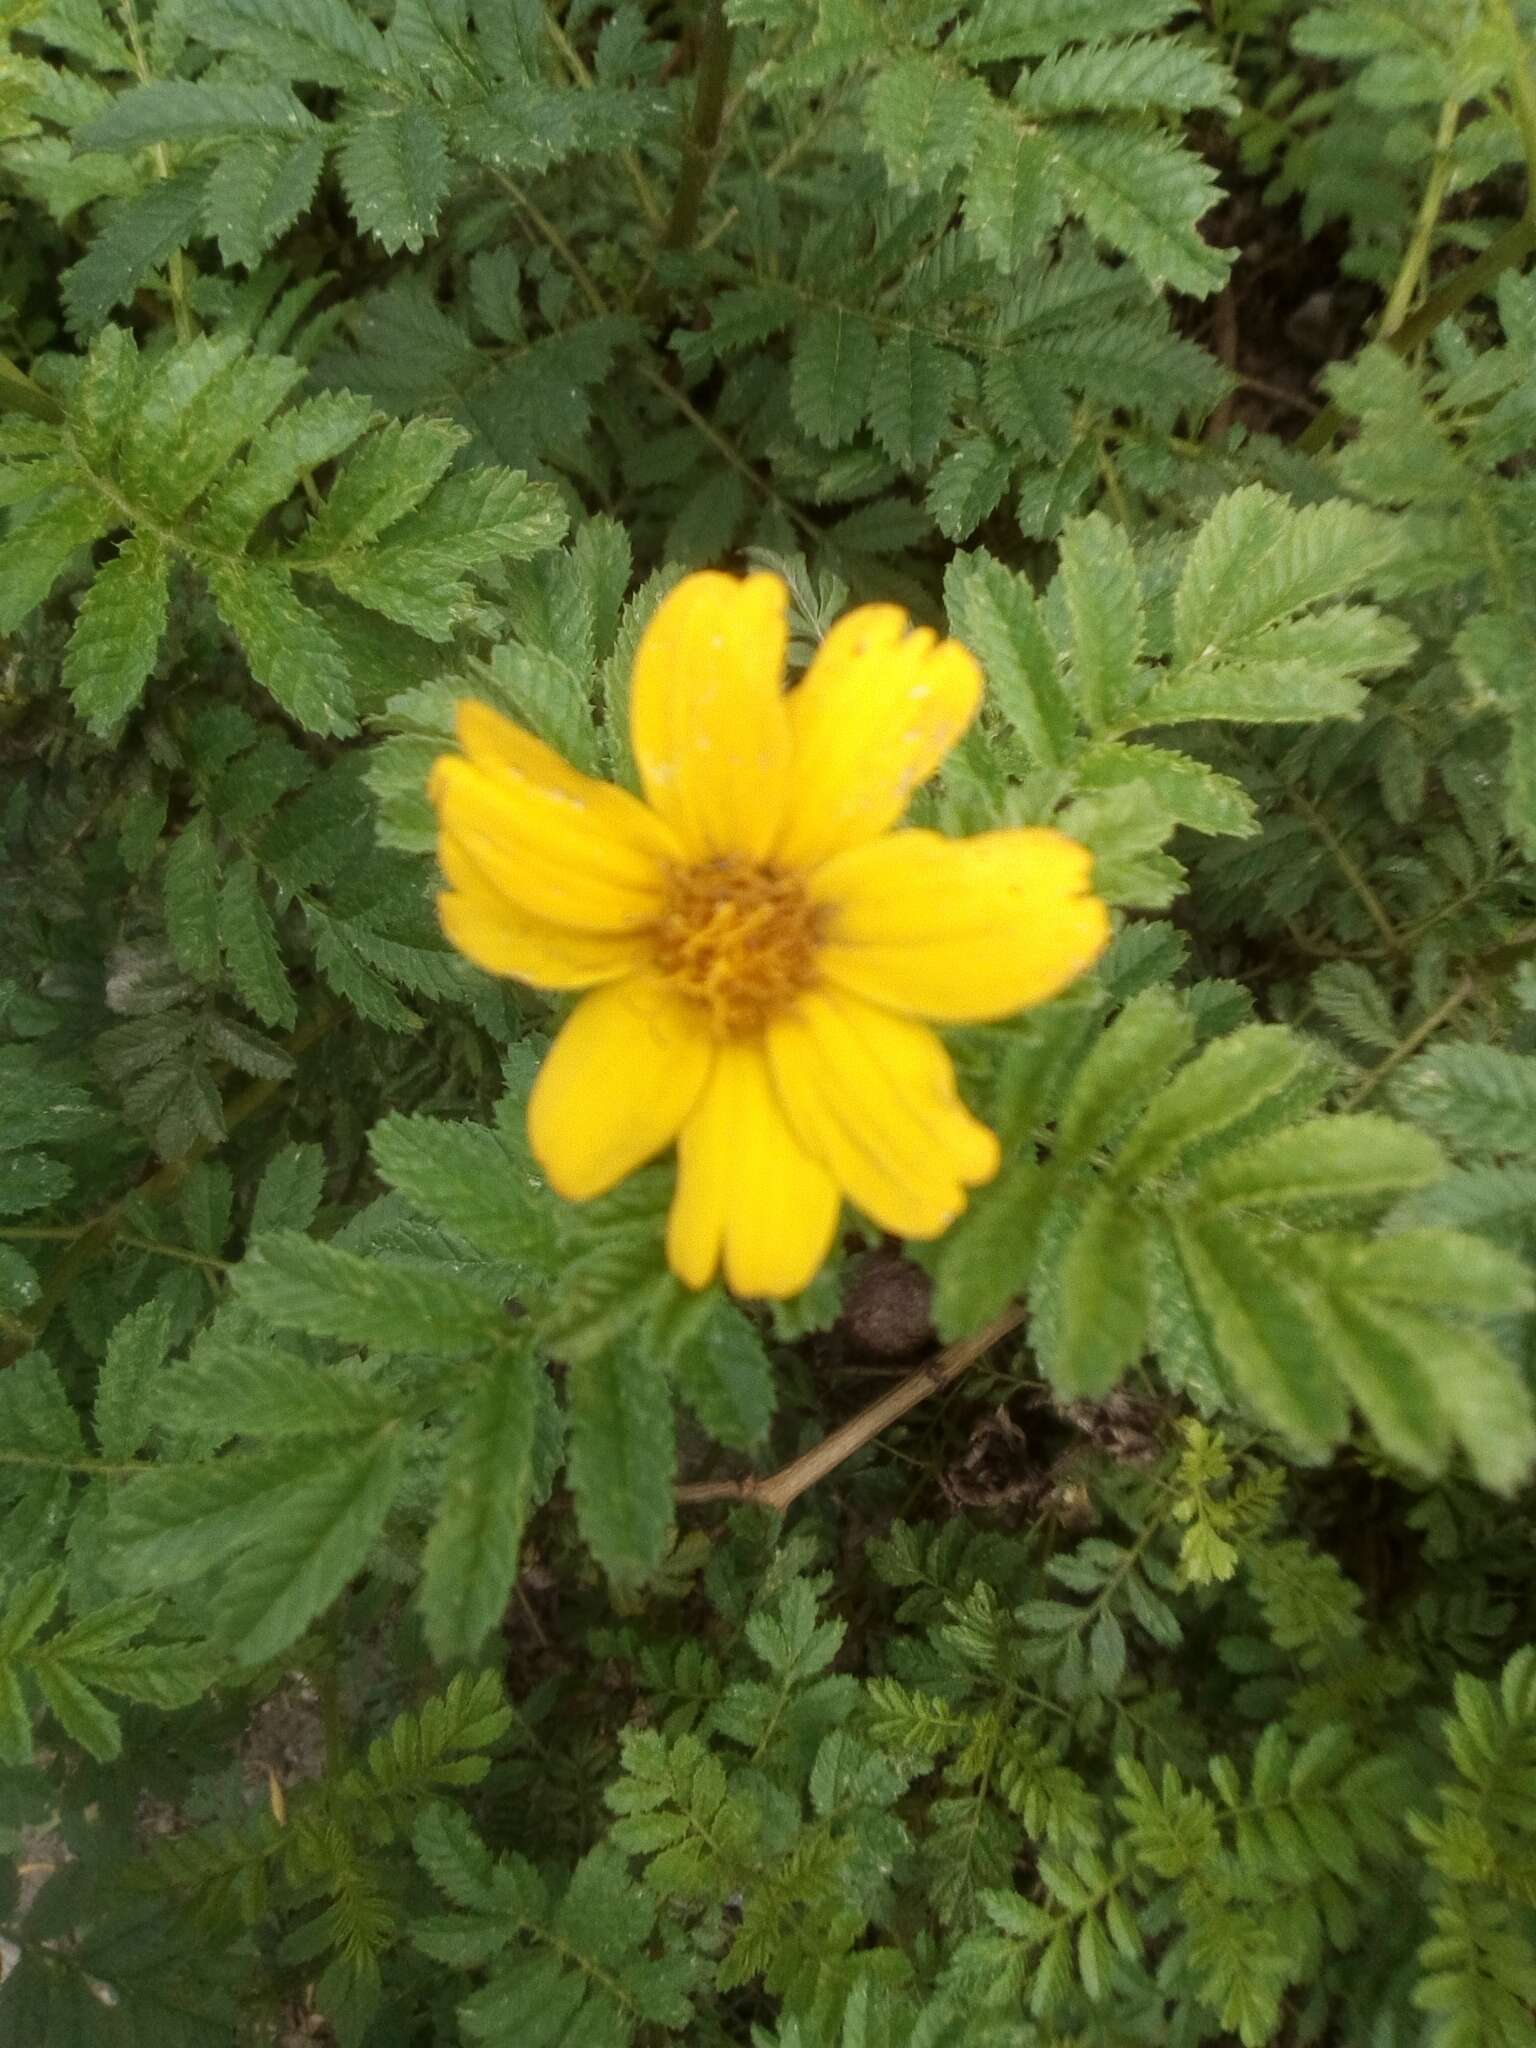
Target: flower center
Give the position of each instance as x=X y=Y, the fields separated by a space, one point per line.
x=738 y=938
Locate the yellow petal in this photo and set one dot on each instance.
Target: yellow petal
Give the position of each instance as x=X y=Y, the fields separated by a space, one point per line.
x=624 y=1072
x=557 y=843
x=879 y=708
x=748 y=1195
x=502 y=939
x=873 y=1097
x=961 y=930
x=707 y=717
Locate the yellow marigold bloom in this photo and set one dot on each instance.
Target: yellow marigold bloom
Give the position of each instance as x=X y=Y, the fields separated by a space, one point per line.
x=761 y=948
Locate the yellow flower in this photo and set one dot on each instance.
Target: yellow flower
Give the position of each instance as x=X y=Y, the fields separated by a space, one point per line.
x=761 y=948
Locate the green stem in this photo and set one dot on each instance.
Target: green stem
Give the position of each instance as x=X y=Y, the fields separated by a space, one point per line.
x=1416 y=257
x=703 y=137
x=1417 y=1037
x=1509 y=249
x=178 y=270
x=18 y=393
x=1352 y=874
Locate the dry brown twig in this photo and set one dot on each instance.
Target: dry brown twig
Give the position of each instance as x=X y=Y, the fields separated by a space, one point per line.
x=778 y=1489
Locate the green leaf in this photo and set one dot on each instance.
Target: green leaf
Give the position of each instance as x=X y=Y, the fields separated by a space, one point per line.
x=228 y=1389
x=29 y=1180
x=831 y=375
x=469 y=1177
x=1011 y=202
x=117 y=633
x=967 y=485
x=1479 y=1098
x=78 y=1711
x=993 y=611
x=139 y=234
x=1103 y=597
x=1163 y=71
x=34 y=555
x=394 y=171
x=135 y=1353
x=322 y=42
x=922 y=120
x=721 y=1370
x=387 y=476
x=985 y=1259
x=297 y=1283
x=288 y=646
x=250 y=945
x=290 y=1189
x=909 y=403
x=304 y=438
x=1330 y=1159
x=1141 y=192
x=1439 y=1269
x=1261 y=1327
x=1104 y=1298
x=621 y=1460
x=1130 y=1062
x=1231 y=1081
x=190 y=890
x=173 y=110
x=288 y=1530
x=1189 y=791
x=35 y=1412
x=256 y=192
x=470 y=1562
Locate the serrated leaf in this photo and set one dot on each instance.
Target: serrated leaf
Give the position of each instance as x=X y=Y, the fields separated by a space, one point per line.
x=721 y=1370
x=967 y=485
x=1011 y=204
x=139 y=234
x=135 y=1351
x=1141 y=192
x=190 y=889
x=1189 y=791
x=297 y=1283
x=831 y=373
x=290 y=650
x=470 y=1562
x=1103 y=599
x=994 y=612
x=923 y=120
x=175 y=110
x=1130 y=1062
x=1262 y=1328
x=985 y=1259
x=118 y=632
x=249 y=939
x=1329 y=1159
x=1104 y=1298
x=394 y=170
x=466 y=1176
x=1480 y=1098
x=289 y=1528
x=1231 y=1080
x=33 y=555
x=910 y=400
x=621 y=1459
x=257 y=191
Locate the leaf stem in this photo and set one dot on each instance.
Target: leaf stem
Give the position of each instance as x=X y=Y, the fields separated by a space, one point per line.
x=1512 y=247
x=18 y=393
x=1416 y=256
x=1464 y=988
x=178 y=270
x=786 y=1485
